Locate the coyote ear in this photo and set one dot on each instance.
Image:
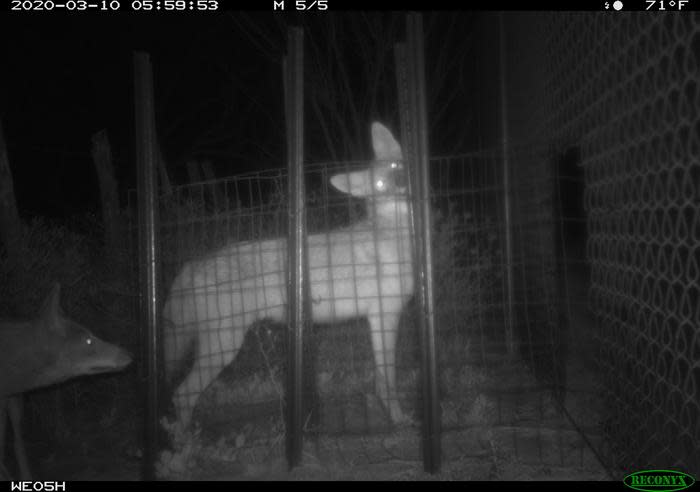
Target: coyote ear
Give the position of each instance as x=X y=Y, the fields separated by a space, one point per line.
x=355 y=183
x=51 y=309
x=53 y=301
x=386 y=148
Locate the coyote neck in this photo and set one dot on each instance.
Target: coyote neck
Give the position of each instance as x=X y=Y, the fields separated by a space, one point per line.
x=389 y=214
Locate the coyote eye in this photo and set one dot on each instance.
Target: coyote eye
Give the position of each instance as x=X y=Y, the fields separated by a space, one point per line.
x=394 y=165
x=88 y=341
x=380 y=184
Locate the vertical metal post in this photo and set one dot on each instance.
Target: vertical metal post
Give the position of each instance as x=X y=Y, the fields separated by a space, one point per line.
x=148 y=247
x=294 y=105
x=411 y=82
x=508 y=226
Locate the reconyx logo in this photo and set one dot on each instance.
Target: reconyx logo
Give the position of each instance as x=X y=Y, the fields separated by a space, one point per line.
x=658 y=480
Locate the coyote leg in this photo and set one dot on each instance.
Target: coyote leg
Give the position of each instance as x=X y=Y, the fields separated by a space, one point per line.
x=384 y=331
x=15 y=408
x=216 y=349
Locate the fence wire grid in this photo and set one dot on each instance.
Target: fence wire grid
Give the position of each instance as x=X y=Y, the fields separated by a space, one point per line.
x=604 y=125
x=619 y=94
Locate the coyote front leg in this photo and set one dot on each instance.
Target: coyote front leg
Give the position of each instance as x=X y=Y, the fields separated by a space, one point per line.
x=384 y=332
x=11 y=409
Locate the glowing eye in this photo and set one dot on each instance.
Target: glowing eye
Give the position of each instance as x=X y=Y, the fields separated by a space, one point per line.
x=88 y=341
x=394 y=165
x=380 y=184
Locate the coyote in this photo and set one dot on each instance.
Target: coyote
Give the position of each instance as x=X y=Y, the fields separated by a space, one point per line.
x=361 y=271
x=47 y=350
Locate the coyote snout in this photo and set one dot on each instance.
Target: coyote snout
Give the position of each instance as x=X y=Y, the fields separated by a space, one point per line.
x=361 y=271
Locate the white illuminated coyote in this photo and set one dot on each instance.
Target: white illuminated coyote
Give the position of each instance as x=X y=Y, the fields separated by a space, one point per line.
x=361 y=271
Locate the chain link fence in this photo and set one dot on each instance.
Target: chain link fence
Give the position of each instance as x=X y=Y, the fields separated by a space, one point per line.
x=618 y=94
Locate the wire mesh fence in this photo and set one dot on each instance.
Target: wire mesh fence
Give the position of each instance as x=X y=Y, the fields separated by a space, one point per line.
x=495 y=413
x=621 y=95
x=604 y=124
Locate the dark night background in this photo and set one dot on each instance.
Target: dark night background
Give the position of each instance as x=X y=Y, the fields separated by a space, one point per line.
x=218 y=92
x=67 y=77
